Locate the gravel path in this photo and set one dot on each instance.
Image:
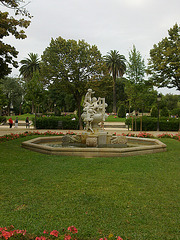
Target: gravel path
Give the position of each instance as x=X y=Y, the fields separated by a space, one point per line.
x=6 y=130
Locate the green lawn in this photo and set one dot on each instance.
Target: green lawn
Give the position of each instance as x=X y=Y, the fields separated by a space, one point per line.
x=133 y=197
x=22 y=117
x=112 y=118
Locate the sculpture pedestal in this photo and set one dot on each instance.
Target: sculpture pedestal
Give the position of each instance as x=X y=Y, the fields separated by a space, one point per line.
x=102 y=138
x=92 y=141
x=96 y=139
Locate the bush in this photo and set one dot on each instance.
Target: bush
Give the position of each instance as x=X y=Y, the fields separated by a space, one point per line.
x=62 y=122
x=3 y=119
x=122 y=111
x=175 y=112
x=150 y=124
x=154 y=112
x=164 y=112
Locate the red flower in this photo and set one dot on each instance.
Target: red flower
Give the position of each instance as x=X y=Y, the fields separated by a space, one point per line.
x=67 y=237
x=72 y=229
x=3 y=228
x=6 y=235
x=54 y=233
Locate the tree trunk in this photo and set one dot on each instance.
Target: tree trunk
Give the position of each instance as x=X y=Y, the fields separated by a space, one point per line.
x=32 y=107
x=114 y=95
x=78 y=100
x=20 y=108
x=79 y=116
x=35 y=118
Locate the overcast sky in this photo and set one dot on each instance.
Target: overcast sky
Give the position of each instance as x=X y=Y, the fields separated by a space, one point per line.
x=109 y=24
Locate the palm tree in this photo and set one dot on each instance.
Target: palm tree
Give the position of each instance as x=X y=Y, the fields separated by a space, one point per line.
x=117 y=67
x=29 y=66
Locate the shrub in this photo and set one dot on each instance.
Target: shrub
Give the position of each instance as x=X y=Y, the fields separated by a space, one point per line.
x=122 y=111
x=175 y=112
x=150 y=124
x=54 y=122
x=154 y=112
x=164 y=112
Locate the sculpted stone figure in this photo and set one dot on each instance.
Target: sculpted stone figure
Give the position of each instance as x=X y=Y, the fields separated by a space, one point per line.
x=93 y=111
x=88 y=96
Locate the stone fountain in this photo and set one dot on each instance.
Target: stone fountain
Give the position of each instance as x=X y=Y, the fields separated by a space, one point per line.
x=94 y=115
x=94 y=140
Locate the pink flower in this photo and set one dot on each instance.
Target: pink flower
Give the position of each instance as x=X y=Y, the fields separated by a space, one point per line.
x=119 y=238
x=72 y=229
x=37 y=238
x=67 y=237
x=45 y=232
x=40 y=238
x=54 y=233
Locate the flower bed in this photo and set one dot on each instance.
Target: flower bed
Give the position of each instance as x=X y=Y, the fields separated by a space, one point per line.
x=69 y=234
x=13 y=136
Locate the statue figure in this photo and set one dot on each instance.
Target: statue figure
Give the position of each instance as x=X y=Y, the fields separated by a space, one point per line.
x=93 y=111
x=88 y=96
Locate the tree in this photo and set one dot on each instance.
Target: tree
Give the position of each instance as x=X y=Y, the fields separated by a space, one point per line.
x=164 y=62
x=29 y=66
x=34 y=91
x=164 y=112
x=17 y=6
x=171 y=101
x=13 y=26
x=117 y=67
x=135 y=67
x=3 y=99
x=13 y=90
x=70 y=65
x=135 y=74
x=122 y=111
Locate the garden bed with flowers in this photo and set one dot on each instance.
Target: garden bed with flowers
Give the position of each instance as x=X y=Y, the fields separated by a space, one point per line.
x=13 y=136
x=69 y=234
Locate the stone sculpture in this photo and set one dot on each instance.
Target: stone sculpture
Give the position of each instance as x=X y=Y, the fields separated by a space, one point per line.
x=94 y=111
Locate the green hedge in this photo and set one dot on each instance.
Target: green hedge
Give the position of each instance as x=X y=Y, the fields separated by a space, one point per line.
x=62 y=122
x=150 y=124
x=3 y=119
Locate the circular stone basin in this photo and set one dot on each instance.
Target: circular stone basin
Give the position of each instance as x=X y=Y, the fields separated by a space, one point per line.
x=136 y=146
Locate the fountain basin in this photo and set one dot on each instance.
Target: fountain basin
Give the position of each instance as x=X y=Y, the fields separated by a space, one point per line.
x=136 y=146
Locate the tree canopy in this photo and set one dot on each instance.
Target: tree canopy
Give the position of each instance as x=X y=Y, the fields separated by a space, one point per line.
x=71 y=65
x=164 y=62
x=29 y=66
x=11 y=26
x=117 y=67
x=135 y=67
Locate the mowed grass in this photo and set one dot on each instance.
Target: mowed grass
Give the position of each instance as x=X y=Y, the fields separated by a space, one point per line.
x=21 y=117
x=112 y=118
x=134 y=197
